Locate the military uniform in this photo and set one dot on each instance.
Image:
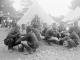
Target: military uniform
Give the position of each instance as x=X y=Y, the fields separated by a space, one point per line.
x=31 y=41
x=12 y=37
x=75 y=37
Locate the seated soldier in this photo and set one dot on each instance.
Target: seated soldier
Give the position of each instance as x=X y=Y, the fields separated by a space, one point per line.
x=75 y=37
x=49 y=33
x=51 y=36
x=37 y=33
x=61 y=37
x=67 y=41
x=44 y=31
x=31 y=41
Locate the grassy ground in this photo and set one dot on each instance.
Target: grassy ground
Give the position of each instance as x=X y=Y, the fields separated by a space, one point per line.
x=44 y=52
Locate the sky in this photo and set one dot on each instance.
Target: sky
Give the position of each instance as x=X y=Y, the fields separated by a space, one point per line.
x=55 y=8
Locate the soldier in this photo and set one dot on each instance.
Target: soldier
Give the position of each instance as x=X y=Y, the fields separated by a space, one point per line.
x=75 y=28
x=30 y=40
x=36 y=31
x=51 y=36
x=69 y=43
x=12 y=37
x=70 y=40
x=44 y=31
x=75 y=37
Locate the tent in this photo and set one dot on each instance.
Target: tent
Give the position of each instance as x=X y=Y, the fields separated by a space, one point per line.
x=35 y=9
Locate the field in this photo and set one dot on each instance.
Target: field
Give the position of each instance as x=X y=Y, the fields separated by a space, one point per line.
x=44 y=52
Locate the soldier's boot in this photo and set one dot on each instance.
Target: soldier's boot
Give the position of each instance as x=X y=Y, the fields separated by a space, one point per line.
x=28 y=48
x=10 y=49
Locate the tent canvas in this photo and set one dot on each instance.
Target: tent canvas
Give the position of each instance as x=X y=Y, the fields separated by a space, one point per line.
x=35 y=9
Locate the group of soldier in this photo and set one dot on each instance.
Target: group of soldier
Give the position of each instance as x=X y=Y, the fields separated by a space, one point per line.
x=51 y=35
x=61 y=36
x=29 y=40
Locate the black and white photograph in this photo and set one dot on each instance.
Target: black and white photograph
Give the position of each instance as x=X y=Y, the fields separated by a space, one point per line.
x=39 y=29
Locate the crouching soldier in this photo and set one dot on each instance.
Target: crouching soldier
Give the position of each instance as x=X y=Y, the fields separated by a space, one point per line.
x=75 y=37
x=29 y=41
x=11 y=39
x=69 y=41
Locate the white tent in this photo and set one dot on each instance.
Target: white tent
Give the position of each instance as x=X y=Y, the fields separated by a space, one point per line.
x=35 y=9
